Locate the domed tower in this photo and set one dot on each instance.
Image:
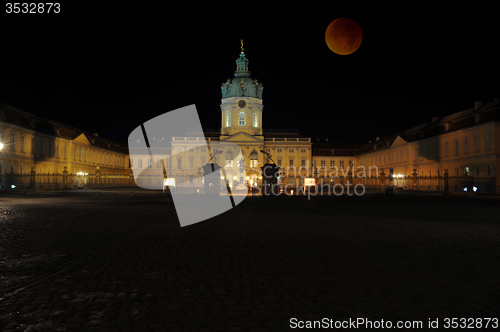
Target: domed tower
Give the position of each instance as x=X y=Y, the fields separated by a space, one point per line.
x=241 y=107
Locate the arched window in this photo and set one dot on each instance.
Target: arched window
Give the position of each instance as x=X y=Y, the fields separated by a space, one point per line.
x=228 y=120
x=229 y=158
x=241 y=120
x=254 y=159
x=255 y=120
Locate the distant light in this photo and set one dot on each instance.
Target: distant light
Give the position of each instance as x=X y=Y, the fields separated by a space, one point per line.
x=474 y=188
x=12 y=186
x=465 y=189
x=1 y=146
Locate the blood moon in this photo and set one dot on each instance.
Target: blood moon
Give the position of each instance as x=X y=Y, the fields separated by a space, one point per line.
x=343 y=36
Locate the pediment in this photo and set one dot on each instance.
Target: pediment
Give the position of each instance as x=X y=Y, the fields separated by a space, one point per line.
x=82 y=138
x=242 y=137
x=398 y=141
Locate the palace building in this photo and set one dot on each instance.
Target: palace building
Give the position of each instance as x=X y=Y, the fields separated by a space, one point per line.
x=45 y=154
x=463 y=147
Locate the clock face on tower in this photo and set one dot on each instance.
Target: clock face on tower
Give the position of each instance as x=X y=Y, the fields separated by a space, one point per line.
x=242 y=103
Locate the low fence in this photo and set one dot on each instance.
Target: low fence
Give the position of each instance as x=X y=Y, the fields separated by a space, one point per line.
x=27 y=181
x=443 y=184
x=420 y=183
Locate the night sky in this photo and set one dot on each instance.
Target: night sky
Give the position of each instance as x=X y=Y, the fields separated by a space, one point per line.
x=107 y=68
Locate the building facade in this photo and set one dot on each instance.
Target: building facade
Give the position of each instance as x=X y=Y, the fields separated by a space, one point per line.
x=242 y=112
x=463 y=145
x=45 y=154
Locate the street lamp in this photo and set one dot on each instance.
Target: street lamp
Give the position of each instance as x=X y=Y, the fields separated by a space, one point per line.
x=1 y=146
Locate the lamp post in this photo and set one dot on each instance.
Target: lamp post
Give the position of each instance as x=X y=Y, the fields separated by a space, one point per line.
x=414 y=179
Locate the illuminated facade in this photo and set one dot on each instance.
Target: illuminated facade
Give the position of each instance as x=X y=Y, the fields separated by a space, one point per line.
x=465 y=145
x=241 y=124
x=50 y=148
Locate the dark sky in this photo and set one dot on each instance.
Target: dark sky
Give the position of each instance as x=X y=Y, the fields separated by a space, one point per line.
x=107 y=68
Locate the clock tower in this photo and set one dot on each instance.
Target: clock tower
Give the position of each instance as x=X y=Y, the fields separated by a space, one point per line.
x=241 y=107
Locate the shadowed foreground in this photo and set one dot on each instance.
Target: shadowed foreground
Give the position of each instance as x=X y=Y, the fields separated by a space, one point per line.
x=123 y=263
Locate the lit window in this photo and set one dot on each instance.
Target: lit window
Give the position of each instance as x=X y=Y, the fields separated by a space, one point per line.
x=332 y=164
x=13 y=142
x=228 y=120
x=241 y=120
x=255 y=120
x=229 y=158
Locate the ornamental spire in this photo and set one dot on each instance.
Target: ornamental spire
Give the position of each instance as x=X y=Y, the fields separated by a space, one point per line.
x=242 y=64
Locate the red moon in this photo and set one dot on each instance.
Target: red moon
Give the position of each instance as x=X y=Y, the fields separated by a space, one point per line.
x=343 y=36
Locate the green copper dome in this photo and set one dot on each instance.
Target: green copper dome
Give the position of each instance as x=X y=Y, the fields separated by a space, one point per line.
x=242 y=85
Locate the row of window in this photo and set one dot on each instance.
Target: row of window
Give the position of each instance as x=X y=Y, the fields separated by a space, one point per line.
x=456 y=147
x=332 y=164
x=242 y=119
x=290 y=150
x=80 y=153
x=429 y=152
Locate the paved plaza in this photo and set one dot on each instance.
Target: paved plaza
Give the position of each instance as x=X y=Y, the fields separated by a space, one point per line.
x=122 y=262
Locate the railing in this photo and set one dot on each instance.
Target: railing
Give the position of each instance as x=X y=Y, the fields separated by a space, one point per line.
x=274 y=139
x=28 y=181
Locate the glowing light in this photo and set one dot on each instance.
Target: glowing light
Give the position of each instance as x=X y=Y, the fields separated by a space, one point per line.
x=234 y=177
x=12 y=186
x=474 y=188
x=292 y=192
x=465 y=189
x=1 y=146
x=248 y=178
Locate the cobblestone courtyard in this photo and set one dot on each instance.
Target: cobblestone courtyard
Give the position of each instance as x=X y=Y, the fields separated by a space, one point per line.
x=123 y=263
